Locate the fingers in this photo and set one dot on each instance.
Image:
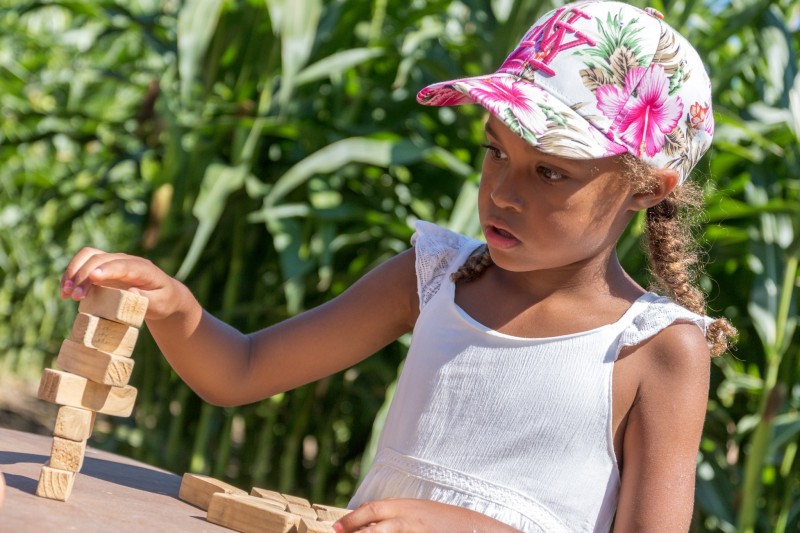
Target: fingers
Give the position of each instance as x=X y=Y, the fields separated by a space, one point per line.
x=372 y=517
x=70 y=278
x=91 y=265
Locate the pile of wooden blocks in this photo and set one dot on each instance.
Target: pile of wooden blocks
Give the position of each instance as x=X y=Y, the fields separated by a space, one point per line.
x=96 y=364
x=261 y=511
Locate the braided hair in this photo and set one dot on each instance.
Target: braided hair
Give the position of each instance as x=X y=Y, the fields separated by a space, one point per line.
x=674 y=265
x=475 y=265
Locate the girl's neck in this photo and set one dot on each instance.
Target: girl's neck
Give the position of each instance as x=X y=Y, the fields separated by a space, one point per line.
x=549 y=303
x=602 y=276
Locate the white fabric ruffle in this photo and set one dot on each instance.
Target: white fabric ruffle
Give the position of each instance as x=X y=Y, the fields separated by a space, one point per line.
x=437 y=250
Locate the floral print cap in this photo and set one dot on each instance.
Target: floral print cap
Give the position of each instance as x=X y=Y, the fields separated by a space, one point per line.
x=594 y=79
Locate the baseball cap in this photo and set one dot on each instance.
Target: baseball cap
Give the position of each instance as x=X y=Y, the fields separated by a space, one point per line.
x=595 y=79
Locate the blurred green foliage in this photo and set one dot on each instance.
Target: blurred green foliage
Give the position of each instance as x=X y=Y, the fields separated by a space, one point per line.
x=269 y=153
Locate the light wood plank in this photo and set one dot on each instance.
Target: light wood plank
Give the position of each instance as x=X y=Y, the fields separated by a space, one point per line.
x=312 y=526
x=269 y=495
x=74 y=423
x=250 y=514
x=93 y=364
x=64 y=388
x=96 y=332
x=197 y=489
x=55 y=484
x=67 y=454
x=328 y=513
x=115 y=304
x=301 y=510
x=296 y=499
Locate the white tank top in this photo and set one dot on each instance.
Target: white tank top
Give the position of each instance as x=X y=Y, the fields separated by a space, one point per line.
x=519 y=429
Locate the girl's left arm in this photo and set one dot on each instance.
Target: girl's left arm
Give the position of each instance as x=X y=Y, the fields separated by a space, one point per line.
x=663 y=433
x=396 y=515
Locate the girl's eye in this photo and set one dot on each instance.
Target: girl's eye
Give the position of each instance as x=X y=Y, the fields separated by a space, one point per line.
x=495 y=152
x=549 y=174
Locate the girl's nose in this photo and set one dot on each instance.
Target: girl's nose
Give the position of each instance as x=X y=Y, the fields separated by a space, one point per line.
x=505 y=193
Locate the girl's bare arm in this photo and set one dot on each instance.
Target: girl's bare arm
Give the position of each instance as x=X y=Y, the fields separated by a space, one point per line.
x=227 y=367
x=663 y=433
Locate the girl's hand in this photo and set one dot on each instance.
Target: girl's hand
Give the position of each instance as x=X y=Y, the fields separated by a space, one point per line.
x=416 y=516
x=93 y=266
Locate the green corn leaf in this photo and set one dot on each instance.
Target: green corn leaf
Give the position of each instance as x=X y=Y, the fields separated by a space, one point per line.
x=219 y=181
x=787 y=429
x=296 y=22
x=463 y=218
x=336 y=64
x=197 y=21
x=336 y=155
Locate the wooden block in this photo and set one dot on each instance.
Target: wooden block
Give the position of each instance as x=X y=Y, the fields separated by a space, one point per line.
x=296 y=499
x=301 y=510
x=270 y=495
x=64 y=388
x=55 y=484
x=197 y=489
x=312 y=526
x=105 y=335
x=326 y=513
x=67 y=454
x=74 y=423
x=281 y=506
x=93 y=364
x=250 y=514
x=114 y=304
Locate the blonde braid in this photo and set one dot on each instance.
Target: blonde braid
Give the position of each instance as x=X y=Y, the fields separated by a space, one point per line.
x=474 y=266
x=673 y=262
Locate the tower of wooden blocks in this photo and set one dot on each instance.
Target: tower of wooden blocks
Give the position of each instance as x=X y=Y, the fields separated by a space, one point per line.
x=95 y=365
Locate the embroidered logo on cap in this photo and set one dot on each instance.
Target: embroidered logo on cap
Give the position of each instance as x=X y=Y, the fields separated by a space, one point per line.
x=547 y=41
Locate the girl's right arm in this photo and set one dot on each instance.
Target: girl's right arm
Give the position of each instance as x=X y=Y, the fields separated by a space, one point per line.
x=227 y=367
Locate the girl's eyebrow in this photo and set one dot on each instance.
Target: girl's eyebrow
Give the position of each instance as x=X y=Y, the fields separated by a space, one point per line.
x=489 y=130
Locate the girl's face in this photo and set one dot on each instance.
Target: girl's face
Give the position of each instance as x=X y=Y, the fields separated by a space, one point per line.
x=541 y=212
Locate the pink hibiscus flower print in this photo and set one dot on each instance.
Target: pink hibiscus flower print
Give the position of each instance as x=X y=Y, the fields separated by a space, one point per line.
x=503 y=94
x=436 y=96
x=643 y=118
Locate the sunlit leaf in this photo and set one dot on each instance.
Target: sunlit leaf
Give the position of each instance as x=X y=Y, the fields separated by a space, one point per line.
x=218 y=183
x=196 y=24
x=336 y=64
x=336 y=155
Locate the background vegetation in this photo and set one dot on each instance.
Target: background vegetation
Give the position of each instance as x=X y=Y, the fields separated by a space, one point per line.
x=269 y=153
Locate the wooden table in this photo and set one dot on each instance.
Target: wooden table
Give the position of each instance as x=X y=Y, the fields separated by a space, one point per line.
x=111 y=493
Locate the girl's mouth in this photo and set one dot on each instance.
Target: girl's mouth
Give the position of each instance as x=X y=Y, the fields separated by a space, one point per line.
x=499 y=237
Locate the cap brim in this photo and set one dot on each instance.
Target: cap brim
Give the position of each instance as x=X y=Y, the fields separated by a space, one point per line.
x=535 y=115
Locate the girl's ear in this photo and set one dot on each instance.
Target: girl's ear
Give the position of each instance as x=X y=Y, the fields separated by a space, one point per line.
x=663 y=182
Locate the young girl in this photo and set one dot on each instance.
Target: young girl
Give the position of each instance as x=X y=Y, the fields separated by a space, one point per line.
x=544 y=390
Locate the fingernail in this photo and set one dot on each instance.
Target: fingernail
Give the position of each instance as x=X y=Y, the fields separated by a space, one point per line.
x=67 y=286
x=337 y=527
x=97 y=272
x=78 y=292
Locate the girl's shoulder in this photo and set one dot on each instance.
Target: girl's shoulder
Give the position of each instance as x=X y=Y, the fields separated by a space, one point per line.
x=439 y=252
x=656 y=315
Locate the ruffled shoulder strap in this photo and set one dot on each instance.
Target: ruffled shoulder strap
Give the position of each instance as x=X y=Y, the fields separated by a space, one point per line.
x=657 y=313
x=439 y=253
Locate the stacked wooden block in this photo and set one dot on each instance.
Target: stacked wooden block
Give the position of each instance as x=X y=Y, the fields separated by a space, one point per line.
x=261 y=511
x=96 y=364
